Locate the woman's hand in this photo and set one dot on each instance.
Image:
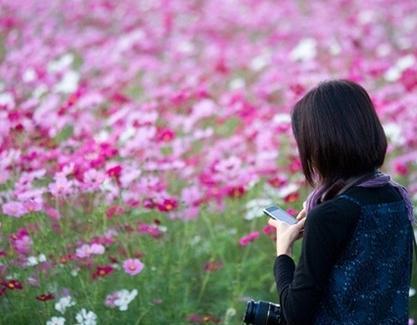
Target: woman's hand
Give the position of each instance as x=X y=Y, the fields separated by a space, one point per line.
x=287 y=234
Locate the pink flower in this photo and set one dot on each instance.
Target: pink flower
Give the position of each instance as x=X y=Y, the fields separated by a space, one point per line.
x=132 y=266
x=83 y=251
x=61 y=187
x=93 y=179
x=86 y=250
x=245 y=240
x=111 y=298
x=52 y=213
x=32 y=205
x=97 y=249
x=14 y=208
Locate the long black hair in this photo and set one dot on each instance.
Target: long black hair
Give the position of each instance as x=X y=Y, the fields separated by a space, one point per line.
x=338 y=134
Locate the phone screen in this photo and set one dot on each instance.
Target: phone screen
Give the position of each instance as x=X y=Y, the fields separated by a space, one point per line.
x=278 y=213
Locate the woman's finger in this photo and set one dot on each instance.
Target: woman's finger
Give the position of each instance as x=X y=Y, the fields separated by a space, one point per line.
x=300 y=224
x=301 y=214
x=273 y=222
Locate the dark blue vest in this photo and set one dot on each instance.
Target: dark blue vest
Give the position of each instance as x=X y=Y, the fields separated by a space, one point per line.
x=370 y=281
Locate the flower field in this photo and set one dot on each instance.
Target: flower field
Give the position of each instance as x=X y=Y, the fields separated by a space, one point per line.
x=140 y=140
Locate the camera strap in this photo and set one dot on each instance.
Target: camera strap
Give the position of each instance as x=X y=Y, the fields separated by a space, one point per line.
x=415 y=244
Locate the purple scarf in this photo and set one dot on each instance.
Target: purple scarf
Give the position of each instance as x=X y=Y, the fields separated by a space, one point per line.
x=376 y=180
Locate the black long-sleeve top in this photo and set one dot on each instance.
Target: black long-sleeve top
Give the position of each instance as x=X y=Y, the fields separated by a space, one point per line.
x=327 y=230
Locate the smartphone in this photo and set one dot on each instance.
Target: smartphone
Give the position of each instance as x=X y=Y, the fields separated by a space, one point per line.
x=279 y=214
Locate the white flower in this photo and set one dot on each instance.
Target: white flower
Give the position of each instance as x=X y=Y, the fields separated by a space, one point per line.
x=68 y=83
x=196 y=239
x=124 y=297
x=29 y=75
x=61 y=64
x=85 y=317
x=33 y=260
x=254 y=207
x=411 y=292
x=334 y=47
x=394 y=133
x=7 y=99
x=282 y=118
x=305 y=50
x=56 y=321
x=64 y=303
x=260 y=62
x=395 y=71
x=237 y=83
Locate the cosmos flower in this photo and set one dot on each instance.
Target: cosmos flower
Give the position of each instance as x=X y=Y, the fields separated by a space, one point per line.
x=13 y=284
x=153 y=230
x=63 y=303
x=45 y=297
x=85 y=317
x=86 y=250
x=56 y=321
x=211 y=266
x=102 y=271
x=21 y=241
x=93 y=180
x=33 y=260
x=120 y=299
x=247 y=239
x=133 y=266
x=14 y=209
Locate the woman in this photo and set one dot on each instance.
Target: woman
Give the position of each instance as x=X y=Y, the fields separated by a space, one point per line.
x=356 y=257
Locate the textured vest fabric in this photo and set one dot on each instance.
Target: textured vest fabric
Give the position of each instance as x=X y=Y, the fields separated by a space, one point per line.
x=369 y=284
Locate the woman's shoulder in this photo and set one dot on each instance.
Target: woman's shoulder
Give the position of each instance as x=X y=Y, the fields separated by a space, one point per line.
x=372 y=195
x=339 y=209
x=332 y=221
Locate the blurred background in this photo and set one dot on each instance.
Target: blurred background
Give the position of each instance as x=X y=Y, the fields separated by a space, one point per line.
x=140 y=140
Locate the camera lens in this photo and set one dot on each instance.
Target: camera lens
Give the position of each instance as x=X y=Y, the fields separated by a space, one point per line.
x=262 y=313
x=250 y=312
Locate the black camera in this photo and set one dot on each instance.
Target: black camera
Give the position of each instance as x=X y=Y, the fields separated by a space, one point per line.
x=262 y=313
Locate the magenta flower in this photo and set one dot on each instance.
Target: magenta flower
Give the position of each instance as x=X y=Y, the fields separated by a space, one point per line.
x=21 y=241
x=150 y=229
x=132 y=266
x=247 y=239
